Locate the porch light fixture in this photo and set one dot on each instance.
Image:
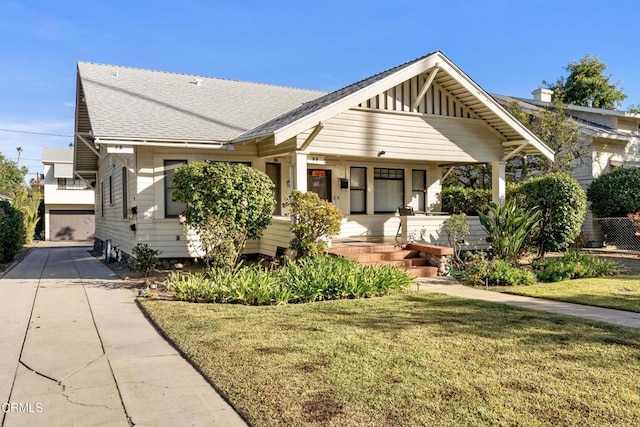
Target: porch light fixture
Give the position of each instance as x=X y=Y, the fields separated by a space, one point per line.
x=381 y=153
x=230 y=147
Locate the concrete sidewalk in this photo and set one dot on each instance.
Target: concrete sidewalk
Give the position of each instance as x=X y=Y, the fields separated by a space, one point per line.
x=77 y=350
x=450 y=286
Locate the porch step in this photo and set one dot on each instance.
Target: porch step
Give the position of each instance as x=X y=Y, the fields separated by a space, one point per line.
x=352 y=250
x=403 y=263
x=404 y=256
x=425 y=271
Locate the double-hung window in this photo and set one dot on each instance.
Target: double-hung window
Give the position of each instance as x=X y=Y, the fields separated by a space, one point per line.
x=171 y=208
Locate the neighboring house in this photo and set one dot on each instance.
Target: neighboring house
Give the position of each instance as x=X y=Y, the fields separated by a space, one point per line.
x=613 y=136
x=69 y=201
x=370 y=147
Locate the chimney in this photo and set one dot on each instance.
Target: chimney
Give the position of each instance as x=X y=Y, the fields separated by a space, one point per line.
x=541 y=94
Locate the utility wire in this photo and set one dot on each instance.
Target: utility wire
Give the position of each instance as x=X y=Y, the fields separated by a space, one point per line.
x=36 y=133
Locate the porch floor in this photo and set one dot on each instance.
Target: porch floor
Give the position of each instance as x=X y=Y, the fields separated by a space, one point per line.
x=365 y=241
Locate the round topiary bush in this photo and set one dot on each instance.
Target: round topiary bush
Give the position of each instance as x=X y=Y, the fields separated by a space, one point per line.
x=616 y=193
x=11 y=231
x=563 y=204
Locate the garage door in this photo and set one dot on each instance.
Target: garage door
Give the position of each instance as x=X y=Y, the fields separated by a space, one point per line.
x=71 y=225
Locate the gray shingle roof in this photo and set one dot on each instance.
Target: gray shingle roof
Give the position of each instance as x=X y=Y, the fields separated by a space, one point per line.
x=319 y=103
x=135 y=103
x=584 y=125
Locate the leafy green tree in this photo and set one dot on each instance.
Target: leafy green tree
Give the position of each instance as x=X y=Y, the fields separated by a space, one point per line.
x=563 y=204
x=11 y=177
x=226 y=205
x=587 y=85
x=634 y=108
x=555 y=127
x=477 y=177
x=616 y=193
x=313 y=220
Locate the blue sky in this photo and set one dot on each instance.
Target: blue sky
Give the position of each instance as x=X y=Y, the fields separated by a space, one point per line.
x=507 y=47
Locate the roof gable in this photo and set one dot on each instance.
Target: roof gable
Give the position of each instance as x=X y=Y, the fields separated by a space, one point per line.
x=478 y=104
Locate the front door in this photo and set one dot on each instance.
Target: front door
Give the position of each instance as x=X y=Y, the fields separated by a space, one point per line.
x=319 y=181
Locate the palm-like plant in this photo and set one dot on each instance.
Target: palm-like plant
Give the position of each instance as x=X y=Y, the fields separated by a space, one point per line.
x=508 y=227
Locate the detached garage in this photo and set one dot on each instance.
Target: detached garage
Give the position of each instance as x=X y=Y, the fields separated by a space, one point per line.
x=69 y=201
x=71 y=224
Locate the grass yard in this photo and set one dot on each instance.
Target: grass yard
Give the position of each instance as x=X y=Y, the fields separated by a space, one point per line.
x=620 y=292
x=410 y=359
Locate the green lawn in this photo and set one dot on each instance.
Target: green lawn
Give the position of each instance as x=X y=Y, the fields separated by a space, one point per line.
x=620 y=292
x=411 y=359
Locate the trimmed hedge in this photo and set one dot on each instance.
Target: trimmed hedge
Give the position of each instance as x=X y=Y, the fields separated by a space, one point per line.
x=11 y=231
x=616 y=193
x=457 y=200
x=563 y=203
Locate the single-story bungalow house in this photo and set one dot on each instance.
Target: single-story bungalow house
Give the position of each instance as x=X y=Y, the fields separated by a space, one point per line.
x=369 y=148
x=613 y=138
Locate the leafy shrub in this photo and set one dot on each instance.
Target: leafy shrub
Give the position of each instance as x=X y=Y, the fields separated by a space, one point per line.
x=11 y=231
x=28 y=202
x=615 y=194
x=309 y=279
x=457 y=200
x=563 y=205
x=573 y=265
x=479 y=270
x=145 y=258
x=457 y=227
x=508 y=228
x=226 y=205
x=313 y=220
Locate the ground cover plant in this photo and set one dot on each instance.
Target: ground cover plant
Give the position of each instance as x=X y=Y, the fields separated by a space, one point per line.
x=309 y=279
x=573 y=265
x=619 y=292
x=409 y=359
x=479 y=270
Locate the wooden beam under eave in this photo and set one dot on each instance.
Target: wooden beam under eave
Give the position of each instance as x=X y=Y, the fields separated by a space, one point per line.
x=425 y=87
x=81 y=138
x=514 y=152
x=312 y=136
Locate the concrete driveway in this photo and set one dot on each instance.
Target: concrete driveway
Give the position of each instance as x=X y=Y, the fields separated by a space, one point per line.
x=77 y=350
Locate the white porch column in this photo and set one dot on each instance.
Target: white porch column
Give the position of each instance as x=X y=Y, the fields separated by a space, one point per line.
x=299 y=171
x=498 y=182
x=434 y=187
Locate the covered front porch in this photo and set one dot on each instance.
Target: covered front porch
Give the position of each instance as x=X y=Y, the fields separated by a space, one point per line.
x=386 y=143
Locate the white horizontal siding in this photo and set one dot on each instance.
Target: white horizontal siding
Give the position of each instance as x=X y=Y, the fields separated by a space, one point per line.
x=278 y=234
x=431 y=229
x=361 y=133
x=369 y=226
